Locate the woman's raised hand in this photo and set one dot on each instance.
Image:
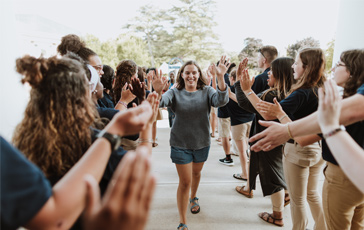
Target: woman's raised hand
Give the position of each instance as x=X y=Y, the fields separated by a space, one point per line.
x=275 y=110
x=126 y=94
x=222 y=67
x=138 y=89
x=154 y=102
x=159 y=82
x=242 y=66
x=329 y=107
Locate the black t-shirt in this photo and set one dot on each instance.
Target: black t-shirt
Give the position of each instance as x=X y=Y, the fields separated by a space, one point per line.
x=237 y=114
x=106 y=101
x=356 y=131
x=24 y=188
x=300 y=103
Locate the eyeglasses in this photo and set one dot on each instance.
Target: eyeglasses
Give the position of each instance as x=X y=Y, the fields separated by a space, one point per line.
x=260 y=51
x=98 y=67
x=338 y=64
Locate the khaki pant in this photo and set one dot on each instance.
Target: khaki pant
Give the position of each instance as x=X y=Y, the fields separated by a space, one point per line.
x=302 y=166
x=343 y=203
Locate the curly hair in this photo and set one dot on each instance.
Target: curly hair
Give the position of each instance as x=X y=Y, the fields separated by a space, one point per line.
x=314 y=62
x=73 y=43
x=181 y=83
x=354 y=63
x=55 y=131
x=125 y=70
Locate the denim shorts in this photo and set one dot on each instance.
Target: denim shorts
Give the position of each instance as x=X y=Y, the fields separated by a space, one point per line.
x=185 y=156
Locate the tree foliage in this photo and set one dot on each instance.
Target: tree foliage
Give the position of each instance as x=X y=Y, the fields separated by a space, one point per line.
x=304 y=43
x=329 y=54
x=250 y=51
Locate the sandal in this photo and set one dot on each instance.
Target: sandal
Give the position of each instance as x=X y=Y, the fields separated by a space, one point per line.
x=286 y=202
x=240 y=189
x=154 y=144
x=270 y=217
x=212 y=135
x=195 y=204
x=183 y=226
x=239 y=177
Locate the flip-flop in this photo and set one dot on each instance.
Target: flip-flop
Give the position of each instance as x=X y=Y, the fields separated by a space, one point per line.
x=183 y=226
x=264 y=214
x=195 y=204
x=238 y=176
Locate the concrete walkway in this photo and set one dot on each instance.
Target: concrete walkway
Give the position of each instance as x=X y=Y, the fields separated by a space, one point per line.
x=221 y=206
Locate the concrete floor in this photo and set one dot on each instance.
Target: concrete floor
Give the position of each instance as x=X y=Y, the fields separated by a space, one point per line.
x=221 y=206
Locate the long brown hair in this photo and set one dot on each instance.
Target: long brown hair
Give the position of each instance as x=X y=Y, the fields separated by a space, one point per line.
x=354 y=63
x=124 y=71
x=55 y=132
x=314 y=63
x=283 y=74
x=181 y=83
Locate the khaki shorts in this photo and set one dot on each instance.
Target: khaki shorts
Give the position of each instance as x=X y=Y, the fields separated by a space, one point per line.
x=239 y=132
x=224 y=127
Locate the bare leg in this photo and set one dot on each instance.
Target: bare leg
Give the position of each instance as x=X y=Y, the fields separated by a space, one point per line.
x=185 y=178
x=226 y=145
x=242 y=147
x=196 y=175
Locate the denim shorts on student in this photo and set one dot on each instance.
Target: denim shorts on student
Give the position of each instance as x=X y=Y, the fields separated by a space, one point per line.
x=185 y=156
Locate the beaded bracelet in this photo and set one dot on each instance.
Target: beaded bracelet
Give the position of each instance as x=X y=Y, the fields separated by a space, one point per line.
x=123 y=103
x=333 y=132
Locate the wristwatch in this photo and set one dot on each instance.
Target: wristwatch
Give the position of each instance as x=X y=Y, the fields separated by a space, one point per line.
x=115 y=140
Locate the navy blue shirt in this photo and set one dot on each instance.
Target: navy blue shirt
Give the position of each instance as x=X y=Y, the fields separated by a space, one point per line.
x=24 y=188
x=300 y=103
x=261 y=82
x=106 y=101
x=356 y=131
x=237 y=114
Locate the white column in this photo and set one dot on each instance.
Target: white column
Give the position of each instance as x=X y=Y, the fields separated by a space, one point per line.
x=349 y=32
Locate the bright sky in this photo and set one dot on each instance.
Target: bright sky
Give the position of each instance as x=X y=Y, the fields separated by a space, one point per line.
x=278 y=23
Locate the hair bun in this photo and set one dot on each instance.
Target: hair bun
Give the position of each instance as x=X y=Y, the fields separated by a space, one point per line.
x=72 y=43
x=32 y=69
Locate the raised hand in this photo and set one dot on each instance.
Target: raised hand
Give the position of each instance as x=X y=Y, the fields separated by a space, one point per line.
x=159 y=82
x=150 y=79
x=245 y=81
x=128 y=197
x=130 y=121
x=138 y=89
x=154 y=102
x=126 y=95
x=273 y=110
x=222 y=67
x=329 y=107
x=242 y=66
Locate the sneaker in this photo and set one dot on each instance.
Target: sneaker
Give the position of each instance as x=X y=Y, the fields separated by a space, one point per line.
x=226 y=162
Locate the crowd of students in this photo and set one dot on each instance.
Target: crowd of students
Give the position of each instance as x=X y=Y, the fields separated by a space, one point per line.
x=88 y=132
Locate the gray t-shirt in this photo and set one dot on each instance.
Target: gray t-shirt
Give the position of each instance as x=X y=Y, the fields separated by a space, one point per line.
x=191 y=127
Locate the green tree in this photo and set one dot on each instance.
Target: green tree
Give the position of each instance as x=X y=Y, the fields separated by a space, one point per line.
x=306 y=42
x=329 y=54
x=132 y=47
x=193 y=34
x=150 y=24
x=250 y=51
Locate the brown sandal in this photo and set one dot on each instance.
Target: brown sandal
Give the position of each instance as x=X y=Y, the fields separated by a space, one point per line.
x=240 y=189
x=155 y=144
x=270 y=217
x=286 y=202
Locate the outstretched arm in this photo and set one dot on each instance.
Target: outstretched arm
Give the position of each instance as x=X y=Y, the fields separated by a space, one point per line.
x=276 y=134
x=68 y=199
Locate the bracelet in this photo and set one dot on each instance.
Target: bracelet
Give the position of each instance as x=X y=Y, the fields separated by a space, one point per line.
x=289 y=132
x=123 y=103
x=248 y=94
x=333 y=132
x=145 y=141
x=282 y=118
